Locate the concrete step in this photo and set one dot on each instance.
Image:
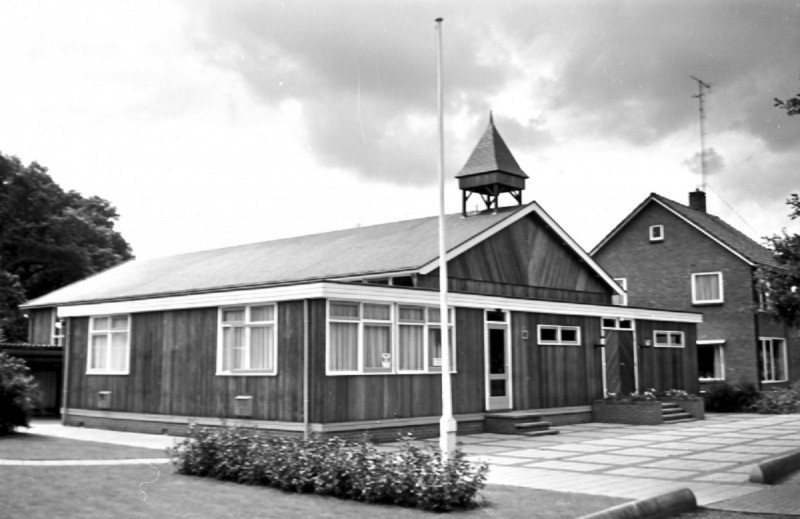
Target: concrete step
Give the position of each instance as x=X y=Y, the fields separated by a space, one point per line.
x=532 y=426
x=676 y=417
x=544 y=432
x=666 y=412
x=689 y=419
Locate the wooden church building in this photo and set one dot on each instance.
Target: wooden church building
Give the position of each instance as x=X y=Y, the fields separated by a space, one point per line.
x=340 y=332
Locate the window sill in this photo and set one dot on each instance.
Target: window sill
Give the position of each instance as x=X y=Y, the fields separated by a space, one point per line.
x=384 y=373
x=708 y=303
x=107 y=373
x=701 y=379
x=246 y=374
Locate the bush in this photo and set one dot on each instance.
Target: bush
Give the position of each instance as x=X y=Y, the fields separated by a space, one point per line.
x=778 y=401
x=411 y=477
x=727 y=398
x=19 y=394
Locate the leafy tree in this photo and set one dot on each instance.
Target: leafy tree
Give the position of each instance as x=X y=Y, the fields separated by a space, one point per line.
x=791 y=105
x=784 y=285
x=48 y=238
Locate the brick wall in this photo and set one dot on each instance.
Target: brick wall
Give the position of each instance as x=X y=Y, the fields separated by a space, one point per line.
x=638 y=413
x=659 y=276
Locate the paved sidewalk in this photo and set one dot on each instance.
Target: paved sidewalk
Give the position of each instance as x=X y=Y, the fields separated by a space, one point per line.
x=712 y=457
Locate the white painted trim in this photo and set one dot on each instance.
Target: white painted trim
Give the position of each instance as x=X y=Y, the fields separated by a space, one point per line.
x=670 y=334
x=656 y=233
x=247 y=324
x=89 y=355
x=506 y=327
x=558 y=341
x=708 y=301
x=366 y=292
x=703 y=342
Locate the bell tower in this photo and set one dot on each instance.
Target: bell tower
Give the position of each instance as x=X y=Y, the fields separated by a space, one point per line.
x=490 y=171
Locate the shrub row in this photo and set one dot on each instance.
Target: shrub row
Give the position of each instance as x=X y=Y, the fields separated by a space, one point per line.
x=411 y=476
x=723 y=397
x=778 y=401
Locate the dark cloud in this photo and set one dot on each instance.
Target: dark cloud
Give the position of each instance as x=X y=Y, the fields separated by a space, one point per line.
x=365 y=71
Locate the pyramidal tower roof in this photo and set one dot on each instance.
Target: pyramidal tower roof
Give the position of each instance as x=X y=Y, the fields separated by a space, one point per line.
x=491 y=154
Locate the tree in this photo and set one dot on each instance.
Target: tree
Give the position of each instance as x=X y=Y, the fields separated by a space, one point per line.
x=791 y=105
x=49 y=238
x=783 y=286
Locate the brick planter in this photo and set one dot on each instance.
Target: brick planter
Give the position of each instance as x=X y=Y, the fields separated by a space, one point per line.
x=643 y=412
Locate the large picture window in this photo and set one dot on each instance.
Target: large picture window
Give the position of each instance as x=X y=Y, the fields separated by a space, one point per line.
x=384 y=338
x=248 y=337
x=707 y=288
x=109 y=345
x=772 y=359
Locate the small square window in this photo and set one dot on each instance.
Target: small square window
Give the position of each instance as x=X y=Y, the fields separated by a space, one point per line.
x=664 y=339
x=656 y=233
x=707 y=288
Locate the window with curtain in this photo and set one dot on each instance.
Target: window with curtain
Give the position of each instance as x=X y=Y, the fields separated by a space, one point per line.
x=384 y=338
x=248 y=340
x=711 y=360
x=772 y=359
x=707 y=288
x=109 y=345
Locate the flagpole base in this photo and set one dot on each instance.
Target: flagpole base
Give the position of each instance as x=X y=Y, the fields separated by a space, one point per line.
x=447 y=435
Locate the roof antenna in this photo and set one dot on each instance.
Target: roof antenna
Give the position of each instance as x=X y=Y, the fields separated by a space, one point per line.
x=701 y=85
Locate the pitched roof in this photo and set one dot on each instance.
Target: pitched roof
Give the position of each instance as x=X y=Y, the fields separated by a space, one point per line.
x=405 y=247
x=714 y=227
x=491 y=154
x=393 y=247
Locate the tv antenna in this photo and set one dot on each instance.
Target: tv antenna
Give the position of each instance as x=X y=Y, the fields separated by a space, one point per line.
x=703 y=88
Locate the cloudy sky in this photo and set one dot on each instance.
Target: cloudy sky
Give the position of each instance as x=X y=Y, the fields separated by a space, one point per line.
x=213 y=123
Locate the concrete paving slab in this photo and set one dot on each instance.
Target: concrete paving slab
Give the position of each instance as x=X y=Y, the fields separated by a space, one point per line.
x=684 y=464
x=539 y=453
x=655 y=452
x=568 y=465
x=612 y=459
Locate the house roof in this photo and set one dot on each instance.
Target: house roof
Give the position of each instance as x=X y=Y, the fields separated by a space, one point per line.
x=491 y=154
x=28 y=346
x=712 y=226
x=394 y=248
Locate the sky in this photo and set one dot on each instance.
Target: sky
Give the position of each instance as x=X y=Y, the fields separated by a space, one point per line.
x=210 y=123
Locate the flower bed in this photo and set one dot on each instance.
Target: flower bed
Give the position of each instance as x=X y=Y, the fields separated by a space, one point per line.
x=645 y=408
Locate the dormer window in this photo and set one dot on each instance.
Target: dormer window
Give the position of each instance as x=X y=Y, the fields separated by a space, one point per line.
x=656 y=233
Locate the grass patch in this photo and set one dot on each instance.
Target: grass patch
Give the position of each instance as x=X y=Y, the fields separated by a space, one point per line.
x=24 y=446
x=113 y=491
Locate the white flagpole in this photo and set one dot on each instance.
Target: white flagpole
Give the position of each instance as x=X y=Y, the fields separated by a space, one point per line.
x=447 y=424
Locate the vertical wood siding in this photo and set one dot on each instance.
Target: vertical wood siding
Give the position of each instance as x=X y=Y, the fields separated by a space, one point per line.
x=525 y=257
x=173 y=365
x=40 y=325
x=555 y=376
x=667 y=368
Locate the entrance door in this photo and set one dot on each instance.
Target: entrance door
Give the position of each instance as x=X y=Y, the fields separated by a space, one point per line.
x=620 y=362
x=498 y=387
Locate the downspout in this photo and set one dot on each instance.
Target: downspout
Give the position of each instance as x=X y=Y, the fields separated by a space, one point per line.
x=305 y=369
x=65 y=382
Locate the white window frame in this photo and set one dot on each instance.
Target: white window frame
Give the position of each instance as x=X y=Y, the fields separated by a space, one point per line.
x=721 y=298
x=617 y=324
x=719 y=359
x=57 y=331
x=108 y=333
x=656 y=233
x=670 y=336
x=247 y=324
x=621 y=300
x=770 y=341
x=394 y=325
x=559 y=329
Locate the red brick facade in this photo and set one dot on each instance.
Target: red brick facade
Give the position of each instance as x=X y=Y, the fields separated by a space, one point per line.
x=659 y=275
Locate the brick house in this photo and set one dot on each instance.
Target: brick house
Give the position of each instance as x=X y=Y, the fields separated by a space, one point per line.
x=669 y=255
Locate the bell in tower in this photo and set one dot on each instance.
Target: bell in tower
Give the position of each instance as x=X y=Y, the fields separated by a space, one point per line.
x=490 y=171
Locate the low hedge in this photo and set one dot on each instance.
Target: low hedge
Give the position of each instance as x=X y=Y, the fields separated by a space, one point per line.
x=19 y=394
x=411 y=476
x=778 y=401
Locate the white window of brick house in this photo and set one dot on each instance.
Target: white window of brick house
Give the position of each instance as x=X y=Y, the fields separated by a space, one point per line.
x=667 y=339
x=623 y=299
x=707 y=288
x=772 y=359
x=711 y=360
x=109 y=345
x=656 y=233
